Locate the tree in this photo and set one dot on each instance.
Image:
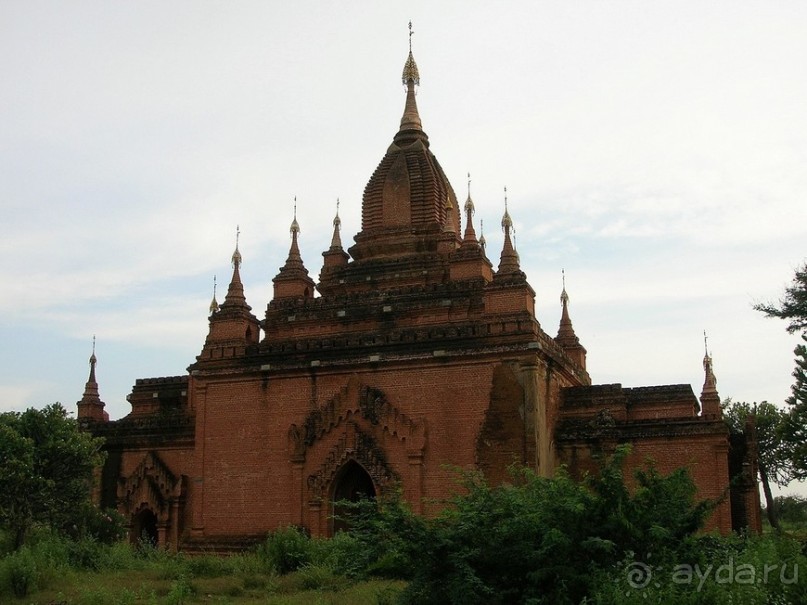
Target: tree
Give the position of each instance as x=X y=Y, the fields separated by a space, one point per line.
x=774 y=452
x=47 y=466
x=795 y=429
x=17 y=482
x=535 y=540
x=793 y=305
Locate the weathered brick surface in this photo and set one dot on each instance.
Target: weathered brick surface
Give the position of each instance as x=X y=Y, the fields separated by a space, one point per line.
x=416 y=358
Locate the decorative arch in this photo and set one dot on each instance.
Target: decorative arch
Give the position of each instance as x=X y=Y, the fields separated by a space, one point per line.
x=360 y=447
x=152 y=490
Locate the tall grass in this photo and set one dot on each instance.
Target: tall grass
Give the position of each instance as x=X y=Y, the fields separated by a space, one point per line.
x=48 y=562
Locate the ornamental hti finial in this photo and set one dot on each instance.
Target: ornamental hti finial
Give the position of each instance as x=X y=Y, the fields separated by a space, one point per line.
x=295 y=226
x=410 y=71
x=236 y=259
x=507 y=222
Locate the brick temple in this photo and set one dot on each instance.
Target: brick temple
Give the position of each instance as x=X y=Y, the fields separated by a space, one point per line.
x=411 y=355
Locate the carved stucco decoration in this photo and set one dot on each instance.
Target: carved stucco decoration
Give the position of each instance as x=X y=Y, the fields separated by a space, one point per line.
x=356 y=401
x=356 y=445
x=151 y=485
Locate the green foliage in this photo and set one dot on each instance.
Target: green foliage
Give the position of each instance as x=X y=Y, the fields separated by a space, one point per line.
x=182 y=589
x=709 y=569
x=774 y=449
x=795 y=427
x=319 y=577
x=18 y=481
x=775 y=452
x=383 y=537
x=19 y=573
x=46 y=466
x=792 y=509
x=575 y=561
x=793 y=305
x=107 y=526
x=536 y=540
x=286 y=550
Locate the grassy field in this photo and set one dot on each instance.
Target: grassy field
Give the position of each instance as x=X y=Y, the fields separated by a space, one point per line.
x=306 y=587
x=288 y=569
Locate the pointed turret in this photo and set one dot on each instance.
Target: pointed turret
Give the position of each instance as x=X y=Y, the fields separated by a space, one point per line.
x=232 y=327
x=469 y=260
x=482 y=241
x=235 y=292
x=508 y=263
x=293 y=281
x=509 y=291
x=335 y=257
x=469 y=237
x=90 y=407
x=710 y=399
x=336 y=239
x=566 y=337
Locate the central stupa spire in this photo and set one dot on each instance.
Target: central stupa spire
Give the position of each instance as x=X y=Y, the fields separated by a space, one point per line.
x=411 y=126
x=409 y=208
x=411 y=78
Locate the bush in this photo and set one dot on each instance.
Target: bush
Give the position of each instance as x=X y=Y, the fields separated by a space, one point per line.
x=19 y=573
x=536 y=540
x=286 y=550
x=710 y=569
x=181 y=590
x=106 y=526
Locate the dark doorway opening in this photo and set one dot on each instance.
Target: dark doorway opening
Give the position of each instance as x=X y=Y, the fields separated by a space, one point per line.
x=352 y=484
x=144 y=528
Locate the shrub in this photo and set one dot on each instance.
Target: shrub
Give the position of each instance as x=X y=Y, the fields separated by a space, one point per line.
x=106 y=526
x=85 y=553
x=19 y=573
x=181 y=590
x=286 y=550
x=536 y=540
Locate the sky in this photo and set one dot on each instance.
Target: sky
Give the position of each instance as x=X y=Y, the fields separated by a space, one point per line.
x=655 y=151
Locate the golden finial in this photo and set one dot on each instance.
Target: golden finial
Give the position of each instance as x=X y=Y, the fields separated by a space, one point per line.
x=410 y=70
x=214 y=304
x=236 y=259
x=708 y=368
x=93 y=361
x=707 y=359
x=337 y=222
x=564 y=297
x=482 y=241
x=469 y=204
x=507 y=222
x=295 y=226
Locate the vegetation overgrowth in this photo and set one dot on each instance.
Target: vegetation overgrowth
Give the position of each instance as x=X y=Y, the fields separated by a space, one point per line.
x=532 y=541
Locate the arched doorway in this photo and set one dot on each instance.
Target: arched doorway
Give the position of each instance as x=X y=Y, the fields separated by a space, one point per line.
x=352 y=483
x=144 y=527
